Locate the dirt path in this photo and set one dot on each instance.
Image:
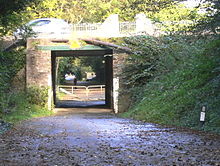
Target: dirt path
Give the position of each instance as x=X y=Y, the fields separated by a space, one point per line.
x=85 y=137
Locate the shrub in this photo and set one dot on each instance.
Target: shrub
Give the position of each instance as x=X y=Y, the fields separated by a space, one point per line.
x=153 y=57
x=176 y=92
x=19 y=105
x=37 y=95
x=6 y=103
x=21 y=109
x=10 y=64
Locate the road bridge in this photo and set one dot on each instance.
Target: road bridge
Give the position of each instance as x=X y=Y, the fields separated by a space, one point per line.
x=41 y=70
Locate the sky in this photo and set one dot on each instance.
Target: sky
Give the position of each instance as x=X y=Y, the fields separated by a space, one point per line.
x=191 y=3
x=194 y=3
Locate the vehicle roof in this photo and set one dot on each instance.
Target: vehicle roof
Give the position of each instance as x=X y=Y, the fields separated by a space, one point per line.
x=50 y=19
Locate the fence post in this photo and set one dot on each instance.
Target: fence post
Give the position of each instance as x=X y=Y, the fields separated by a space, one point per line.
x=58 y=88
x=87 y=92
x=115 y=93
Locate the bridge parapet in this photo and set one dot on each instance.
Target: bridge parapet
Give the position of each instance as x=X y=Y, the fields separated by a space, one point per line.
x=111 y=27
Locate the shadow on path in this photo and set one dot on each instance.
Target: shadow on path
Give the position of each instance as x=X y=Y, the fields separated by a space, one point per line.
x=89 y=137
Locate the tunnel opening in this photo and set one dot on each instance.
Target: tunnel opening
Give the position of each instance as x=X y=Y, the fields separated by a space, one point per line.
x=82 y=78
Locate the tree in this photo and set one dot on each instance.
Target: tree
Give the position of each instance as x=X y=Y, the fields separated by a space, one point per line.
x=129 y=8
x=177 y=18
x=79 y=66
x=212 y=20
x=84 y=11
x=97 y=65
x=73 y=11
x=9 y=14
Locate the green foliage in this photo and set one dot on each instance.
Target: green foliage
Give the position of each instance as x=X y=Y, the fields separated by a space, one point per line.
x=97 y=66
x=32 y=111
x=73 y=11
x=10 y=16
x=154 y=56
x=129 y=8
x=37 y=95
x=10 y=6
x=76 y=11
x=18 y=105
x=15 y=107
x=26 y=32
x=10 y=64
x=211 y=21
x=19 y=12
x=70 y=65
x=6 y=103
x=186 y=79
x=79 y=66
x=177 y=18
x=147 y=51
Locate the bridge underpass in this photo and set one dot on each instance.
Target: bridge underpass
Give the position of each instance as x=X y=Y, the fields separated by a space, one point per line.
x=84 y=93
x=41 y=71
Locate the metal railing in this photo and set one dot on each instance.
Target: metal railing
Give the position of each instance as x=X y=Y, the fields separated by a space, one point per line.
x=86 y=27
x=95 y=87
x=83 y=92
x=97 y=29
x=127 y=27
x=71 y=89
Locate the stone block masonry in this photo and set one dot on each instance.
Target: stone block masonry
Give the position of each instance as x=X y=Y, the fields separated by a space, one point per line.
x=38 y=64
x=39 y=69
x=118 y=63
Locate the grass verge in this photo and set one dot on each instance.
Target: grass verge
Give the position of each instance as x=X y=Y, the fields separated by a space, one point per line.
x=177 y=97
x=27 y=113
x=16 y=108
